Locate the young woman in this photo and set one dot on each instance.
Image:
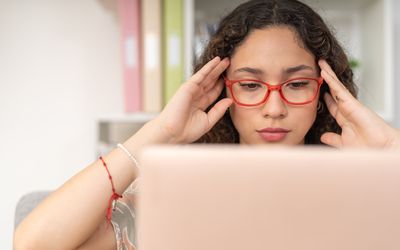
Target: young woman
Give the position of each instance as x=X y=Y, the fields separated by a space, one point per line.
x=272 y=74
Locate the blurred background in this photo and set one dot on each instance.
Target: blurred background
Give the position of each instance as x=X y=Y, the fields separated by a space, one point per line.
x=76 y=77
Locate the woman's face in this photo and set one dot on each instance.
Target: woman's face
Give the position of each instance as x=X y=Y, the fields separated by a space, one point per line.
x=273 y=55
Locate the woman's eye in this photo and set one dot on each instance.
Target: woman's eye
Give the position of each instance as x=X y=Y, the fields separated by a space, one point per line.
x=297 y=85
x=250 y=86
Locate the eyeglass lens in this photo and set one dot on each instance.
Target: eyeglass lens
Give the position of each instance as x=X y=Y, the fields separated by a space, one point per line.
x=296 y=91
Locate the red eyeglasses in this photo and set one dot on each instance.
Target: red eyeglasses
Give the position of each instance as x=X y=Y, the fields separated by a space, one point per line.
x=296 y=91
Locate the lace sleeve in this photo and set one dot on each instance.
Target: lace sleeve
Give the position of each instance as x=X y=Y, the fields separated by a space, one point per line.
x=123 y=220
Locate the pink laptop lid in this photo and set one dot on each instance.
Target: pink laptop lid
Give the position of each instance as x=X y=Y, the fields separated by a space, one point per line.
x=237 y=197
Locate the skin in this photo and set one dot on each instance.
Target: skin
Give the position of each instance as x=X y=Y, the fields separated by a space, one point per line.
x=267 y=55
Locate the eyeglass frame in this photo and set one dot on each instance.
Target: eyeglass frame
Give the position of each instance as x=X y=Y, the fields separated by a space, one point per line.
x=278 y=87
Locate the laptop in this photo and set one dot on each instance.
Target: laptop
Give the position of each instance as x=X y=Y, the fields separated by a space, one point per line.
x=257 y=197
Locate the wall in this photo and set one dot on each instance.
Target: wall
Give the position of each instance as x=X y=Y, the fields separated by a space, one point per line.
x=59 y=70
x=396 y=21
x=371 y=92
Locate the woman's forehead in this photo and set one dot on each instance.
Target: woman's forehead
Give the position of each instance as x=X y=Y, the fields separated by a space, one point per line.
x=273 y=47
x=272 y=41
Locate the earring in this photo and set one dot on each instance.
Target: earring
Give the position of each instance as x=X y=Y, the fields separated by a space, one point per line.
x=320 y=107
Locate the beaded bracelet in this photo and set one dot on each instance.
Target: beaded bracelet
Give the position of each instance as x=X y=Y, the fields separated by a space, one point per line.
x=134 y=187
x=128 y=154
x=115 y=196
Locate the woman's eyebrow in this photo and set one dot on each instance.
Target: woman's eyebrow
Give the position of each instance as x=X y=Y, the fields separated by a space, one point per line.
x=254 y=71
x=287 y=71
x=295 y=69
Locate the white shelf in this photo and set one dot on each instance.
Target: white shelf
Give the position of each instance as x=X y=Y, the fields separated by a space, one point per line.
x=134 y=117
x=117 y=128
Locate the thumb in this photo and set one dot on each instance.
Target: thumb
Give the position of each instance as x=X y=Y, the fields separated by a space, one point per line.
x=332 y=139
x=218 y=111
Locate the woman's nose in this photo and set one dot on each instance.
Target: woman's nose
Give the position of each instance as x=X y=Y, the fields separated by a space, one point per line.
x=274 y=107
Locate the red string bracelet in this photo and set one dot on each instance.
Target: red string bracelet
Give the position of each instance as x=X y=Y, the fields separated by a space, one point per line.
x=115 y=196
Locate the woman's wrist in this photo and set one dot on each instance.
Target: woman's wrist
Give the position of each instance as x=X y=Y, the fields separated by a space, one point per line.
x=393 y=141
x=396 y=141
x=150 y=134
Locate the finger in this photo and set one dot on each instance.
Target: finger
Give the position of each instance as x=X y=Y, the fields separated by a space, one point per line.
x=215 y=74
x=341 y=104
x=339 y=94
x=332 y=139
x=201 y=75
x=211 y=95
x=334 y=109
x=324 y=65
x=216 y=112
x=337 y=88
x=209 y=73
x=347 y=104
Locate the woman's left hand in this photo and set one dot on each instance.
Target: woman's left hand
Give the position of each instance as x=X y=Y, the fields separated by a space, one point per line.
x=360 y=126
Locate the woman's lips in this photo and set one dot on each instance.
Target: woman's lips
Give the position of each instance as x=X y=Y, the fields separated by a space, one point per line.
x=273 y=134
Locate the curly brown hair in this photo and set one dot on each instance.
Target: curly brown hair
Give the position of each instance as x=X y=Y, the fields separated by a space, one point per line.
x=312 y=32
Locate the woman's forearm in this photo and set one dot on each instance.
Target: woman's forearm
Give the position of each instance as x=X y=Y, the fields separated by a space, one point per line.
x=71 y=214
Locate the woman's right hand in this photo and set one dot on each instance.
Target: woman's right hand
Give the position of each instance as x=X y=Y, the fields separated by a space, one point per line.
x=184 y=119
